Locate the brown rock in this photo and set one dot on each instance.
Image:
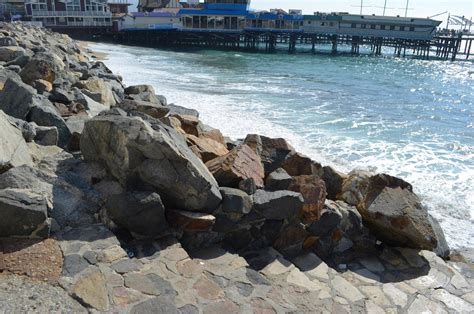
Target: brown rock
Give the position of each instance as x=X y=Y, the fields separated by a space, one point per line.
x=111 y=254
x=297 y=164
x=91 y=289
x=254 y=141
x=190 y=221
x=206 y=148
x=214 y=134
x=42 y=86
x=395 y=215
x=239 y=164
x=313 y=190
x=190 y=124
x=354 y=187
x=224 y=306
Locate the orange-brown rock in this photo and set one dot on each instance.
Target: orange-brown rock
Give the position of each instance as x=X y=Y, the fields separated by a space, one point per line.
x=239 y=164
x=206 y=148
x=291 y=239
x=214 y=134
x=313 y=190
x=297 y=164
x=190 y=221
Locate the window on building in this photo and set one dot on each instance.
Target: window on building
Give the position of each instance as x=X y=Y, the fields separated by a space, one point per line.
x=211 y=20
x=402 y=28
x=354 y=25
x=412 y=29
x=372 y=26
x=259 y=23
x=364 y=26
x=219 y=22
x=203 y=22
x=382 y=26
x=392 y=28
x=227 y=22
x=195 y=21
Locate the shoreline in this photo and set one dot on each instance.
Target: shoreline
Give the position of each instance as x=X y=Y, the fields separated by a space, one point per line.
x=209 y=116
x=86 y=45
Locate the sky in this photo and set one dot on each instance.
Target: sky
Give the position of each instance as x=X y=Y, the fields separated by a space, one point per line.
x=417 y=8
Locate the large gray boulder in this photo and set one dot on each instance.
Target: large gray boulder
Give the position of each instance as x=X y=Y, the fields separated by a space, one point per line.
x=9 y=53
x=134 y=152
x=395 y=215
x=46 y=115
x=17 y=98
x=23 y=213
x=138 y=212
x=43 y=66
x=278 y=205
x=13 y=148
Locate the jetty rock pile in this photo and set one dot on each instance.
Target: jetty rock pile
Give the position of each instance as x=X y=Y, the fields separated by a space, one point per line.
x=113 y=200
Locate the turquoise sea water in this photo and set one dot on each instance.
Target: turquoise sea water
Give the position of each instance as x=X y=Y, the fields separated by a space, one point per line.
x=408 y=118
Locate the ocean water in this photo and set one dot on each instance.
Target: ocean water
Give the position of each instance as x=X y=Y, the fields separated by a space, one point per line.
x=405 y=117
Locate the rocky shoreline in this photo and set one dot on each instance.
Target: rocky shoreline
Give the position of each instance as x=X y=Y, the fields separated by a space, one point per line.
x=114 y=200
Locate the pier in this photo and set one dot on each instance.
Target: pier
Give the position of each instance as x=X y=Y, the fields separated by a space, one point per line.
x=443 y=47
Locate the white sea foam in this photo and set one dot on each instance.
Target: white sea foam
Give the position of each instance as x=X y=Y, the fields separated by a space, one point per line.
x=441 y=172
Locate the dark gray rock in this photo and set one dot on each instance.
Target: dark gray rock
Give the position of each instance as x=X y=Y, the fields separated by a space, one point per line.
x=62 y=96
x=278 y=205
x=150 y=153
x=235 y=203
x=139 y=212
x=125 y=266
x=157 y=305
x=46 y=115
x=188 y=309
x=278 y=180
x=73 y=264
x=8 y=41
x=138 y=89
x=248 y=186
x=17 y=98
x=329 y=220
x=151 y=109
x=46 y=135
x=23 y=214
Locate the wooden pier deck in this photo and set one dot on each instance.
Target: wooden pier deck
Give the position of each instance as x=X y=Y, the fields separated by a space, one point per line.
x=444 y=47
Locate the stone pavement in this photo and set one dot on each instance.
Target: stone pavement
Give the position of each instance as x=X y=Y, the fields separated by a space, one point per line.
x=161 y=277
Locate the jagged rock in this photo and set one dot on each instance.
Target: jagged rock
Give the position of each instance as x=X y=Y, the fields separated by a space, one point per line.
x=278 y=180
x=213 y=134
x=13 y=149
x=239 y=164
x=98 y=90
x=60 y=95
x=248 y=186
x=6 y=74
x=27 y=129
x=291 y=240
x=10 y=53
x=151 y=109
x=132 y=150
x=8 y=41
x=191 y=124
x=42 y=86
x=190 y=221
x=354 y=187
x=17 y=98
x=178 y=110
x=46 y=115
x=334 y=181
x=254 y=141
x=46 y=135
x=23 y=214
x=205 y=148
x=138 y=89
x=44 y=66
x=329 y=220
x=395 y=215
x=139 y=212
x=274 y=153
x=278 y=205
x=297 y=164
x=313 y=190
x=235 y=203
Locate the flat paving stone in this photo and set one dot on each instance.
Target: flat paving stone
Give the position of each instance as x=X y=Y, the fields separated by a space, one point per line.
x=298 y=278
x=397 y=296
x=156 y=305
x=375 y=294
x=126 y=266
x=208 y=289
x=313 y=266
x=346 y=290
x=453 y=302
x=421 y=304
